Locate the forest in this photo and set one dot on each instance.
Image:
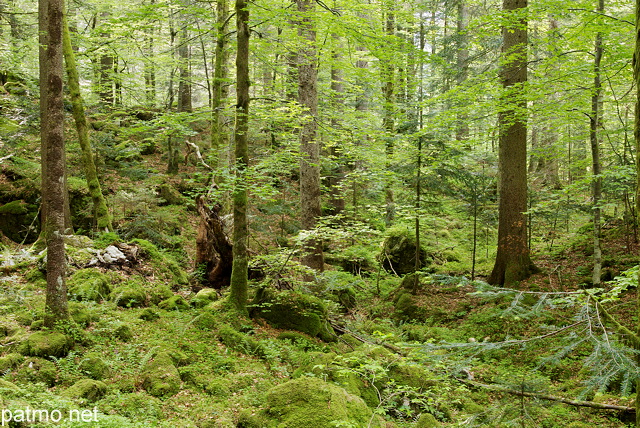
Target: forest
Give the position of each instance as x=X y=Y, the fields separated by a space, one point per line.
x=292 y=214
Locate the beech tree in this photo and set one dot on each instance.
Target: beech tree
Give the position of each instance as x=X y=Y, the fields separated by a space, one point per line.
x=53 y=159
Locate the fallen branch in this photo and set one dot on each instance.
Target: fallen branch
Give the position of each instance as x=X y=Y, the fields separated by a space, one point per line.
x=577 y=403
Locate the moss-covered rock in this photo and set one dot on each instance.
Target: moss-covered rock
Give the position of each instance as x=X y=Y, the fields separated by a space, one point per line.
x=294 y=311
x=89 y=284
x=162 y=262
x=205 y=321
x=94 y=366
x=204 y=297
x=17 y=219
x=399 y=252
x=160 y=377
x=46 y=344
x=4 y=384
x=127 y=296
x=82 y=315
x=219 y=387
x=170 y=195
x=148 y=314
x=123 y=332
x=10 y=361
x=311 y=402
x=427 y=420
x=174 y=303
x=239 y=341
x=87 y=389
x=34 y=370
x=159 y=293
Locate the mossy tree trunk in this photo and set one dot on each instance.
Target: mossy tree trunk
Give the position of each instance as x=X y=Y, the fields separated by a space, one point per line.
x=101 y=212
x=513 y=262
x=388 y=118
x=53 y=177
x=240 y=269
x=218 y=132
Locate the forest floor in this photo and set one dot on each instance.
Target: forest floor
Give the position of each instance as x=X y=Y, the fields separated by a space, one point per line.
x=144 y=350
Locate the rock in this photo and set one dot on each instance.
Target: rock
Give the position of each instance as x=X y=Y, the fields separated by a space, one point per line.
x=88 y=389
x=427 y=420
x=112 y=255
x=148 y=315
x=174 y=303
x=93 y=365
x=46 y=344
x=89 y=284
x=127 y=296
x=294 y=311
x=312 y=402
x=204 y=297
x=34 y=370
x=399 y=252
x=10 y=361
x=160 y=376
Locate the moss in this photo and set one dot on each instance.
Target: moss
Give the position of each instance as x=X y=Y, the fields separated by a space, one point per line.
x=10 y=361
x=93 y=366
x=412 y=375
x=241 y=342
x=46 y=344
x=170 y=195
x=37 y=325
x=88 y=389
x=427 y=420
x=399 y=251
x=136 y=405
x=160 y=376
x=14 y=208
x=311 y=402
x=148 y=315
x=34 y=370
x=162 y=262
x=174 y=303
x=123 y=332
x=204 y=297
x=81 y=315
x=89 y=284
x=4 y=384
x=218 y=387
x=158 y=293
x=205 y=321
x=127 y=296
x=407 y=309
x=293 y=311
x=251 y=418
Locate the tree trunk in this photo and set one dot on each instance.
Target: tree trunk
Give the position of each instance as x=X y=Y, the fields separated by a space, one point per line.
x=336 y=195
x=240 y=270
x=106 y=71
x=462 y=64
x=101 y=212
x=309 y=148
x=218 y=133
x=513 y=262
x=149 y=69
x=594 y=124
x=213 y=250
x=388 y=118
x=53 y=171
x=184 y=85
x=636 y=134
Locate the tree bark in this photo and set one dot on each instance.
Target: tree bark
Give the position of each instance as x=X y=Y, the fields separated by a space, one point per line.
x=240 y=270
x=513 y=262
x=101 y=212
x=594 y=138
x=388 y=124
x=213 y=250
x=184 y=61
x=309 y=148
x=53 y=171
x=636 y=134
x=336 y=196
x=218 y=132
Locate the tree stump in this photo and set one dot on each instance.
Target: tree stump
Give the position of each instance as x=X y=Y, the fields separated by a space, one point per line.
x=213 y=248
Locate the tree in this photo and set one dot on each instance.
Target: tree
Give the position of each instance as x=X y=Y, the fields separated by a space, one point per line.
x=239 y=270
x=100 y=210
x=53 y=163
x=309 y=148
x=594 y=138
x=513 y=262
